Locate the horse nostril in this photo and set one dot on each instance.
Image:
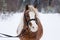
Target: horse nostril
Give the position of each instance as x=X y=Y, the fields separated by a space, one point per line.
x=27 y=28
x=32 y=27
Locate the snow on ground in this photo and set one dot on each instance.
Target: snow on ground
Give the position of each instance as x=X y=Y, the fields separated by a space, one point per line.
x=50 y=23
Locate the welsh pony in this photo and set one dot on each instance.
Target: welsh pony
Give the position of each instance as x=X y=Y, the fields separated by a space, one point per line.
x=31 y=27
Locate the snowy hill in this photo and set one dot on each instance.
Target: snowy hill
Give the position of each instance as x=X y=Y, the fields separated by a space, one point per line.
x=50 y=23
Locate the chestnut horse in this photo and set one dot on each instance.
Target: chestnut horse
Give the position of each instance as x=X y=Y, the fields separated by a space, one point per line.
x=32 y=28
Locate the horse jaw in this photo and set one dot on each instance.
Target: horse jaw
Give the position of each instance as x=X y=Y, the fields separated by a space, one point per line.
x=34 y=26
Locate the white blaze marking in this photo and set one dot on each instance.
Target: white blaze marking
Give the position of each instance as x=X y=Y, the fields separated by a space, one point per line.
x=34 y=26
x=32 y=15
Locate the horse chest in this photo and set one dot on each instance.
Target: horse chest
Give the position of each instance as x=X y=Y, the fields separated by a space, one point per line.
x=27 y=33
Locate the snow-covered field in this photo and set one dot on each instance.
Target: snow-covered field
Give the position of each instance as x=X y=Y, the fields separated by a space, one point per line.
x=50 y=23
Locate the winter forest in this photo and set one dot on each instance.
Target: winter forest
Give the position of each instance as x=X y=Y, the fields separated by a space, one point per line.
x=11 y=12
x=18 y=5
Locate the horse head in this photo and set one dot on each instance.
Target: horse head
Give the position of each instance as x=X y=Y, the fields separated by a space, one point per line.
x=31 y=21
x=32 y=27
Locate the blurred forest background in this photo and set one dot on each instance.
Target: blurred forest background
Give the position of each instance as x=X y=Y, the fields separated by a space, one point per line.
x=18 y=5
